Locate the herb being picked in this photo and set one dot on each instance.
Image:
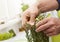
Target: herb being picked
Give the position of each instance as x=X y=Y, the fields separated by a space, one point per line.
x=31 y=34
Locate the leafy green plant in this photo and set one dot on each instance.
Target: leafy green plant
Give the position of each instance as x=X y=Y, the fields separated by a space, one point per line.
x=31 y=34
x=7 y=35
x=24 y=7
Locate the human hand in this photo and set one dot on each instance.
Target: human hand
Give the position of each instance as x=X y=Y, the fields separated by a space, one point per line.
x=50 y=26
x=29 y=15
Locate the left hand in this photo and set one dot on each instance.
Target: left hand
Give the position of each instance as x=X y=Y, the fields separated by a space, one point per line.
x=50 y=26
x=29 y=15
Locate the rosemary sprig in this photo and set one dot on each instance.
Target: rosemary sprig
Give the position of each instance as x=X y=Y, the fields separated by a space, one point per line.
x=32 y=35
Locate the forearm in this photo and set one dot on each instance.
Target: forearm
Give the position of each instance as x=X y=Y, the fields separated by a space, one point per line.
x=47 y=5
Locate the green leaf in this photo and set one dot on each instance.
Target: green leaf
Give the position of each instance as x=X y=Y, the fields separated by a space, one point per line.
x=24 y=7
x=6 y=35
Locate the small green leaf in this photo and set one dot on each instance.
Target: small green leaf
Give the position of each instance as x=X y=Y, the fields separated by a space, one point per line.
x=24 y=7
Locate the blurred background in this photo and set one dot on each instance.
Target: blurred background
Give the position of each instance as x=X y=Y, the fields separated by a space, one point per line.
x=10 y=11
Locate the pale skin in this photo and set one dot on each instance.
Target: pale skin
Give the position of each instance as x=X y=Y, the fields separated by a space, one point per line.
x=50 y=26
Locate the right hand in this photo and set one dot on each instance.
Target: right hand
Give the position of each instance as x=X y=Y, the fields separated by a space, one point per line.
x=29 y=15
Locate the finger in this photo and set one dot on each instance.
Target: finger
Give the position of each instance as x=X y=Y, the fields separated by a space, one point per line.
x=51 y=34
x=42 y=22
x=32 y=19
x=49 y=30
x=43 y=27
x=25 y=16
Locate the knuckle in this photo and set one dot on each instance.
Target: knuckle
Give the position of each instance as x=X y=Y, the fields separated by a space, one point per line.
x=44 y=31
x=55 y=32
x=34 y=12
x=52 y=23
x=53 y=29
x=47 y=34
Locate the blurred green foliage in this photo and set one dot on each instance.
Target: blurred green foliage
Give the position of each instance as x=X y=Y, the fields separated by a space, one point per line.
x=7 y=35
x=34 y=36
x=24 y=7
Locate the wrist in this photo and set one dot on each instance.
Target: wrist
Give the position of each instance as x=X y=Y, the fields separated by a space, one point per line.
x=37 y=4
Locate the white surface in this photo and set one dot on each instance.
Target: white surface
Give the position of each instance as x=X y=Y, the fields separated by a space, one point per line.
x=3 y=9
x=9 y=8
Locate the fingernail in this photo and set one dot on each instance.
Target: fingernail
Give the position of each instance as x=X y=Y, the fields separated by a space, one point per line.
x=31 y=23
